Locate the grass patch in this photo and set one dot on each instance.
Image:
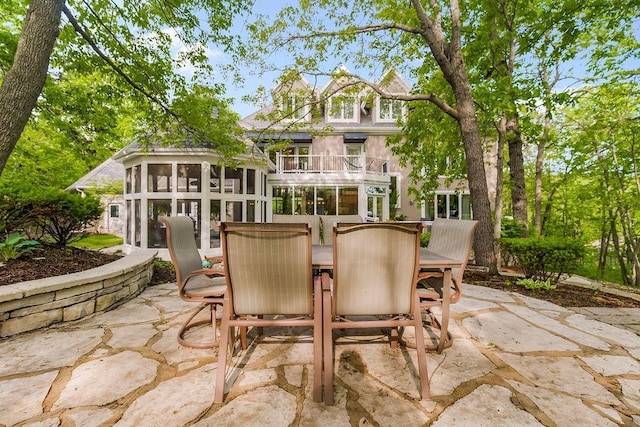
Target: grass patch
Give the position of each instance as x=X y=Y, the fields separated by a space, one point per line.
x=98 y=241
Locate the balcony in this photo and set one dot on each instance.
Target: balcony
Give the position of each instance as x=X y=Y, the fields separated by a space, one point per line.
x=328 y=163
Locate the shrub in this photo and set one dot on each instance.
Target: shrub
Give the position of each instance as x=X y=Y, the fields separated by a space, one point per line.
x=512 y=228
x=46 y=213
x=63 y=216
x=543 y=258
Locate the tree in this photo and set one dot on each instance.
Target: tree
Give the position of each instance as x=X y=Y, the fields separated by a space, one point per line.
x=131 y=46
x=430 y=39
x=603 y=131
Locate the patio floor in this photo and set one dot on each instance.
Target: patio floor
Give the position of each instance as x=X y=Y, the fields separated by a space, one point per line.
x=515 y=361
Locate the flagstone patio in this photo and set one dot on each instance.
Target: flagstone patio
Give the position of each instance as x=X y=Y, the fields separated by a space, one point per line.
x=515 y=361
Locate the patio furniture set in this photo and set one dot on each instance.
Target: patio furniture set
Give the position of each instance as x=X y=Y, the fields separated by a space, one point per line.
x=370 y=275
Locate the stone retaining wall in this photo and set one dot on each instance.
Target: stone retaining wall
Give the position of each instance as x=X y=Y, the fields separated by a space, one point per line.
x=36 y=304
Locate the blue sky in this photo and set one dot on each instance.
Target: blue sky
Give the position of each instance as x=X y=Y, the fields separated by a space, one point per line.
x=252 y=82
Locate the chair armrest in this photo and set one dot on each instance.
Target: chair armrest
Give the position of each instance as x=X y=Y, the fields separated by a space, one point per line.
x=212 y=272
x=214 y=260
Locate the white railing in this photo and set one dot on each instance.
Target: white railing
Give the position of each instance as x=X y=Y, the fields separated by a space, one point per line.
x=328 y=163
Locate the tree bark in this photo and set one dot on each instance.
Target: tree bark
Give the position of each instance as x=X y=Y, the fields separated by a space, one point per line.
x=23 y=83
x=476 y=174
x=516 y=171
x=497 y=226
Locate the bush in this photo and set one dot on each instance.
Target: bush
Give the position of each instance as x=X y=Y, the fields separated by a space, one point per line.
x=543 y=258
x=47 y=213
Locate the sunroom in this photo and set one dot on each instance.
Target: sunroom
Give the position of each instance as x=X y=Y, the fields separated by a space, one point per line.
x=195 y=182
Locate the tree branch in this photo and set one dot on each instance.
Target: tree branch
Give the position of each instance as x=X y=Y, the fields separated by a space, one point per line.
x=114 y=66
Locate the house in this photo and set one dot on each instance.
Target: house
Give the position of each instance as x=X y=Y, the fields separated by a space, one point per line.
x=102 y=180
x=313 y=151
x=333 y=158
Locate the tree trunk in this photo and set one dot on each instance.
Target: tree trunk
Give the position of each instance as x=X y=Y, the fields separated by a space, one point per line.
x=542 y=145
x=516 y=170
x=476 y=177
x=497 y=226
x=23 y=83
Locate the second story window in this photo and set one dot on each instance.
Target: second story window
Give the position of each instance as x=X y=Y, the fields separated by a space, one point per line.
x=293 y=107
x=389 y=110
x=342 y=108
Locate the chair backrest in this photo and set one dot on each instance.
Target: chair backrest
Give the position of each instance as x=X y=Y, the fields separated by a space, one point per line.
x=453 y=238
x=268 y=267
x=328 y=221
x=181 y=243
x=314 y=220
x=375 y=268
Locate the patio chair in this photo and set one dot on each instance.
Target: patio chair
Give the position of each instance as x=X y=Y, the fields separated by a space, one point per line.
x=375 y=266
x=269 y=283
x=453 y=239
x=205 y=286
x=328 y=221
x=314 y=220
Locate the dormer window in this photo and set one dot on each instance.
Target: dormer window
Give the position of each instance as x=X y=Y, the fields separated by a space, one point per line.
x=343 y=109
x=293 y=107
x=389 y=110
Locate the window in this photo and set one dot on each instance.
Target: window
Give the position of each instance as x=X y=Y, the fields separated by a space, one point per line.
x=189 y=178
x=214 y=218
x=114 y=211
x=342 y=108
x=234 y=211
x=251 y=181
x=396 y=190
x=293 y=107
x=233 y=180
x=449 y=205
x=158 y=178
x=353 y=160
x=214 y=179
x=295 y=158
x=155 y=230
x=389 y=110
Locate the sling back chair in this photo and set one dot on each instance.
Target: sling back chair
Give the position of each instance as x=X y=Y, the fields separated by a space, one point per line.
x=453 y=239
x=375 y=267
x=269 y=283
x=205 y=286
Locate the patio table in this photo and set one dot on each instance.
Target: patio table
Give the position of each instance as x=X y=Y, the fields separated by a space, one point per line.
x=322 y=260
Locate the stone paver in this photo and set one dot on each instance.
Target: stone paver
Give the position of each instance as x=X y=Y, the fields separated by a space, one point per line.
x=515 y=361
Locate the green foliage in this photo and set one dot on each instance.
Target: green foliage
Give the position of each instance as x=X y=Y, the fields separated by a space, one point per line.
x=15 y=245
x=536 y=285
x=512 y=228
x=97 y=241
x=47 y=213
x=424 y=239
x=544 y=258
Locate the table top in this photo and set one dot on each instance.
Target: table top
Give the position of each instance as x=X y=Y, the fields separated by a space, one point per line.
x=322 y=258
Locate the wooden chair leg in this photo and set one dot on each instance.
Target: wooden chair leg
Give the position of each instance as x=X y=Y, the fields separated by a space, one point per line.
x=327 y=342
x=420 y=348
x=223 y=351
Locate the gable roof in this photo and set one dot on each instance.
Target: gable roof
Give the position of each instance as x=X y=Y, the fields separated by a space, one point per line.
x=106 y=173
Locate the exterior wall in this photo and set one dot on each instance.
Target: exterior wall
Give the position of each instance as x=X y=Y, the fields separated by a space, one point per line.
x=36 y=304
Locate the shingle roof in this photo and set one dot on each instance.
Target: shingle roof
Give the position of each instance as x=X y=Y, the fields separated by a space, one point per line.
x=106 y=173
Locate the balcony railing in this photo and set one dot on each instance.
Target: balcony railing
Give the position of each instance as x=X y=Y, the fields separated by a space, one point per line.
x=327 y=163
